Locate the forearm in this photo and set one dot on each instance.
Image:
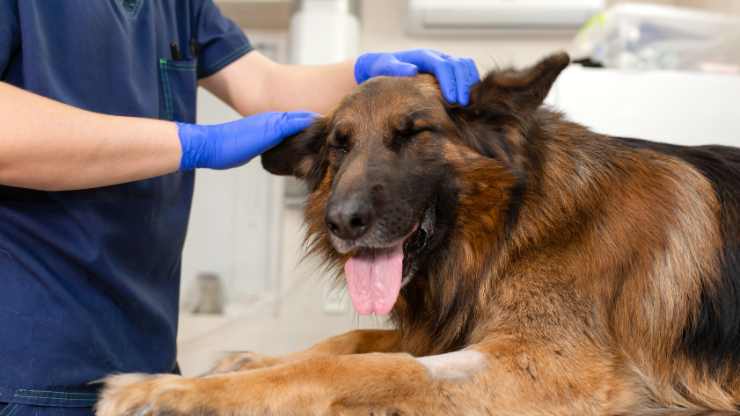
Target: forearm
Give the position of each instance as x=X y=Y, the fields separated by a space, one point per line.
x=254 y=84
x=48 y=145
x=317 y=88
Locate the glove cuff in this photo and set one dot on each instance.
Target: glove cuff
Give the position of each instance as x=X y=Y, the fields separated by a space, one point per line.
x=362 y=64
x=192 y=143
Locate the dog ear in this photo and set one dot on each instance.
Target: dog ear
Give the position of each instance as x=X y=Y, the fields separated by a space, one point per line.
x=501 y=104
x=299 y=155
x=520 y=90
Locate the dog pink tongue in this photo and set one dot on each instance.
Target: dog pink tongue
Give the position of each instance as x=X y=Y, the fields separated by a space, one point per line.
x=374 y=280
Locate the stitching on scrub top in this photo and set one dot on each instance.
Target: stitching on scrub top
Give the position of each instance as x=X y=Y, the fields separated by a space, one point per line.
x=168 y=112
x=132 y=11
x=8 y=409
x=179 y=65
x=59 y=393
x=14 y=408
x=87 y=399
x=60 y=399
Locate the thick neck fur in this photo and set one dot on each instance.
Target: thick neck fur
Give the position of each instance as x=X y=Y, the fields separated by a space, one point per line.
x=575 y=227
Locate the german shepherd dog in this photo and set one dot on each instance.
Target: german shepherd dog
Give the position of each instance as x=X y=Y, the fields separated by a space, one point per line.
x=530 y=266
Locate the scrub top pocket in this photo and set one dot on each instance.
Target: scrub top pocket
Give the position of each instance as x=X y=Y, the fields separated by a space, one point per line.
x=178 y=86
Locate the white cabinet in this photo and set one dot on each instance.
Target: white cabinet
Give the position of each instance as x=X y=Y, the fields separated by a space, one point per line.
x=235 y=221
x=677 y=107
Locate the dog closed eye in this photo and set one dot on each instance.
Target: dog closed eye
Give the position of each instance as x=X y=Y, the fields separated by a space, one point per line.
x=410 y=131
x=339 y=142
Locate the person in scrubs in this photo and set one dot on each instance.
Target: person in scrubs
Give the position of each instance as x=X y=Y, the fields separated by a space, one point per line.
x=98 y=149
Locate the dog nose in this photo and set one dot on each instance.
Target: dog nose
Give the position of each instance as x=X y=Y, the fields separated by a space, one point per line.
x=349 y=219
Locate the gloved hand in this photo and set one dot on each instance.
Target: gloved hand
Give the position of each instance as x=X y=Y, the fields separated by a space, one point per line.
x=228 y=145
x=455 y=75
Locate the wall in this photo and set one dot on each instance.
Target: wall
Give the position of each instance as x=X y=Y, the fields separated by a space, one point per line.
x=382 y=29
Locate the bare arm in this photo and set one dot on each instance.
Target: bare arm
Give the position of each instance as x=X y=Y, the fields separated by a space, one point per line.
x=47 y=145
x=253 y=84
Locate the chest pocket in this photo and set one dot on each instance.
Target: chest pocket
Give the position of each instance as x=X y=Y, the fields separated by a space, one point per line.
x=178 y=85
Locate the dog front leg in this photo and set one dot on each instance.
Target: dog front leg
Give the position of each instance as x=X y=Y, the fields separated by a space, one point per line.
x=353 y=342
x=363 y=384
x=480 y=380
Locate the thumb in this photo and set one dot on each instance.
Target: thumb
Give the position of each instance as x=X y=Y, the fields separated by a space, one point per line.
x=294 y=122
x=396 y=68
x=280 y=125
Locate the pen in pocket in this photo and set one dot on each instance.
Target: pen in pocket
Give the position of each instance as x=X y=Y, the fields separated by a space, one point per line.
x=175 y=51
x=194 y=48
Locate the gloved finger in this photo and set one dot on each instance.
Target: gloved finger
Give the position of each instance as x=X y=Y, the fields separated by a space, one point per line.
x=474 y=75
x=424 y=59
x=289 y=115
x=389 y=65
x=363 y=66
x=294 y=122
x=277 y=126
x=442 y=68
x=467 y=76
x=382 y=64
x=397 y=68
x=461 y=81
x=444 y=71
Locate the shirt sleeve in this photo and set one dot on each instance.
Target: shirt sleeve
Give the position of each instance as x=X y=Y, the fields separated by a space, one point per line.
x=220 y=40
x=9 y=33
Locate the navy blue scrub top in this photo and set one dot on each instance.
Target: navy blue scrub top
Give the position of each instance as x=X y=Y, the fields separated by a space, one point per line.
x=89 y=280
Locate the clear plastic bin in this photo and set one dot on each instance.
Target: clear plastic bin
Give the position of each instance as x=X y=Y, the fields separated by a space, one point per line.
x=641 y=36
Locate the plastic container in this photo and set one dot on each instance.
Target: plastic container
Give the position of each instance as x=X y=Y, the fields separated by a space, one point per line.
x=641 y=36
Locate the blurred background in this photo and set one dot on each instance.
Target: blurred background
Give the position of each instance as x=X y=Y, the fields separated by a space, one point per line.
x=646 y=68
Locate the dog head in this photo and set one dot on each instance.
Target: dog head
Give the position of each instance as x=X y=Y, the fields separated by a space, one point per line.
x=397 y=175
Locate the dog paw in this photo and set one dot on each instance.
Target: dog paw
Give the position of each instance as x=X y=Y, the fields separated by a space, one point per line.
x=147 y=395
x=243 y=361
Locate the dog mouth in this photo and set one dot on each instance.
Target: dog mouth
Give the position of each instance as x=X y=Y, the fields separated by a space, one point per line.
x=376 y=275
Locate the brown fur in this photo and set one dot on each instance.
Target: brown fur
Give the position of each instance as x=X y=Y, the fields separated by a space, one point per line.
x=575 y=265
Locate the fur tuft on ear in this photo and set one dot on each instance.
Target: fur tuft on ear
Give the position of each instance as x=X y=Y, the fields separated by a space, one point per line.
x=520 y=90
x=497 y=123
x=298 y=155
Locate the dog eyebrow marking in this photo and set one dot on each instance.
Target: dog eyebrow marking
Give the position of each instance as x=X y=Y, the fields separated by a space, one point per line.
x=454 y=365
x=420 y=118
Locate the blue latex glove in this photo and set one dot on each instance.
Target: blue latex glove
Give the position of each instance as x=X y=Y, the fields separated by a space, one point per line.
x=228 y=145
x=455 y=75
